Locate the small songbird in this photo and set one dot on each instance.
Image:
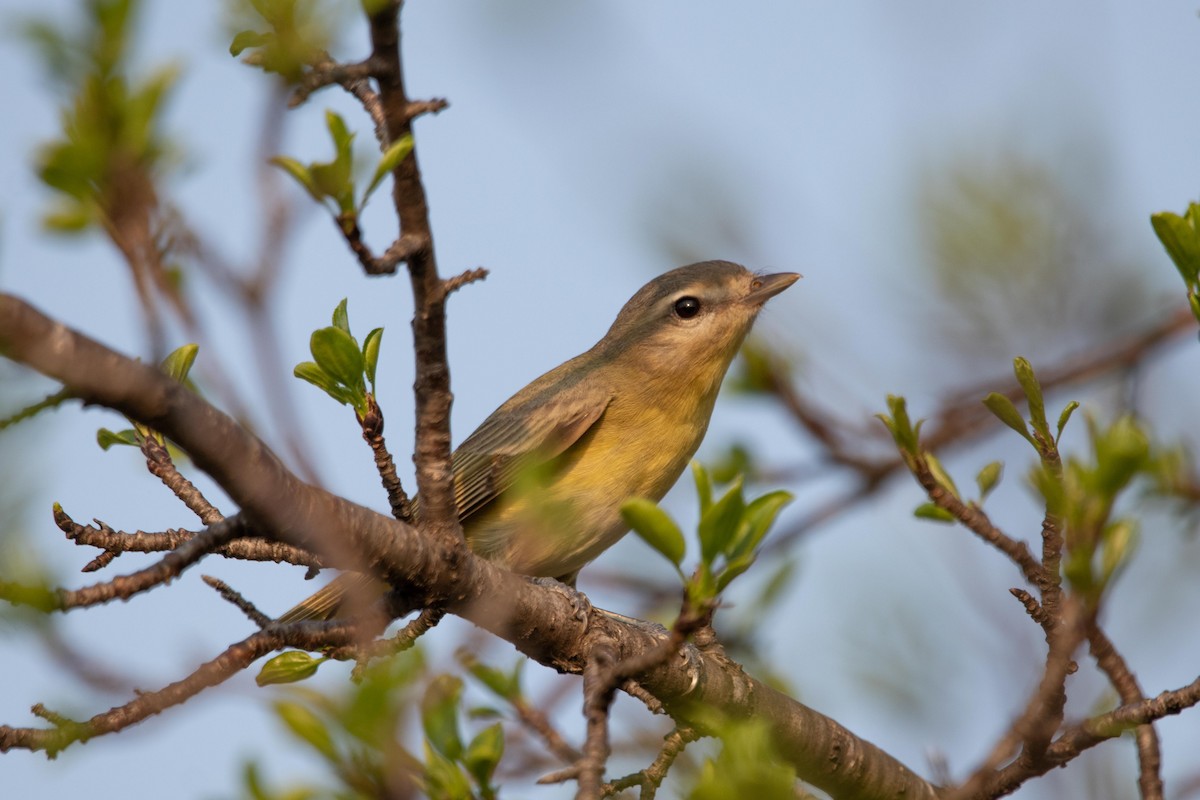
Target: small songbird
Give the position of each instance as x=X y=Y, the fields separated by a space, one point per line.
x=540 y=484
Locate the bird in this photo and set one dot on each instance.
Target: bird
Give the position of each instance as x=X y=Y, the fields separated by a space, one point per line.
x=540 y=483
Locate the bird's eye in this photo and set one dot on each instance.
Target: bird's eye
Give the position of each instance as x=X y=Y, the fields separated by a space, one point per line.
x=687 y=307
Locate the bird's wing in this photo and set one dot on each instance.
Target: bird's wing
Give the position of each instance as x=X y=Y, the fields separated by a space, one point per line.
x=519 y=436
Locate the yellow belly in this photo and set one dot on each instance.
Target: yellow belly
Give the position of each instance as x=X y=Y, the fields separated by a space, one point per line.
x=553 y=524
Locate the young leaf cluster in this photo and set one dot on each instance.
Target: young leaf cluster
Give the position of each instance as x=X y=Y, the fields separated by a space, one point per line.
x=176 y=365
x=294 y=38
x=1037 y=430
x=730 y=532
x=340 y=367
x=112 y=149
x=357 y=735
x=331 y=183
x=1083 y=495
x=1180 y=236
x=454 y=769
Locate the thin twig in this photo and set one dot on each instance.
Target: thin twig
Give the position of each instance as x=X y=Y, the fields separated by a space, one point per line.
x=977 y=521
x=250 y=546
x=598 y=689
x=234 y=659
x=1123 y=680
x=160 y=464
x=1091 y=732
x=456 y=282
x=650 y=779
x=1042 y=715
x=125 y=586
x=404 y=640
x=372 y=433
x=236 y=598
x=537 y=721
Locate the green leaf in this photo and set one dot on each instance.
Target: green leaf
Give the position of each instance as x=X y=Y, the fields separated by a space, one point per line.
x=391 y=159
x=106 y=438
x=341 y=319
x=308 y=371
x=341 y=135
x=302 y=175
x=737 y=460
x=1119 y=539
x=759 y=517
x=733 y=568
x=933 y=512
x=288 y=667
x=719 y=524
x=1194 y=302
x=940 y=475
x=703 y=485
x=331 y=181
x=1064 y=417
x=439 y=715
x=900 y=426
x=334 y=177
x=1049 y=485
x=371 y=354
x=506 y=685
x=1007 y=413
x=179 y=363
x=244 y=40
x=1121 y=452
x=1033 y=394
x=987 y=478
x=702 y=586
x=655 y=527
x=72 y=218
x=1182 y=242
x=336 y=352
x=444 y=780
x=484 y=753
x=308 y=727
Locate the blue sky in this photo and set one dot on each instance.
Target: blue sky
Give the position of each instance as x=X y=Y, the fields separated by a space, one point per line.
x=588 y=147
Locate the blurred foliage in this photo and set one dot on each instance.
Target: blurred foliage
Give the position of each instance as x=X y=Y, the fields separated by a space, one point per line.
x=1017 y=250
x=357 y=735
x=112 y=152
x=281 y=36
x=748 y=765
x=19 y=469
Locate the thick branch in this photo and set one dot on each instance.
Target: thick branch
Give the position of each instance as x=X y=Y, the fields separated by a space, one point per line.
x=539 y=621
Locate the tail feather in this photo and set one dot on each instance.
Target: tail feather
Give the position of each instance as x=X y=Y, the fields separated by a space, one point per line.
x=326 y=603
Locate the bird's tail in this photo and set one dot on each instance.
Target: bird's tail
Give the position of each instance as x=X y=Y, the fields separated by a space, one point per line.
x=327 y=602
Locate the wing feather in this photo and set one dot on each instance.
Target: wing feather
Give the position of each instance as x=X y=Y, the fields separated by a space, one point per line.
x=517 y=436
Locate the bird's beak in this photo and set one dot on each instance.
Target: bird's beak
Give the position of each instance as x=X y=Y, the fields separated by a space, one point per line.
x=765 y=287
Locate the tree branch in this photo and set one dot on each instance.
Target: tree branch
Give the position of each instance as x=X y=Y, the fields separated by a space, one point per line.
x=249 y=546
x=541 y=622
x=435 y=482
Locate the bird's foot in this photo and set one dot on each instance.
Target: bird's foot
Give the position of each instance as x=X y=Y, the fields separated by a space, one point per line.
x=581 y=606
